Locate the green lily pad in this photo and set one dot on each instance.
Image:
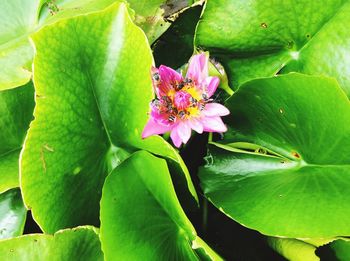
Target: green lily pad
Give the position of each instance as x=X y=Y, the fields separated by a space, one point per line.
x=82 y=243
x=141 y=217
x=12 y=214
x=16 y=110
x=258 y=38
x=341 y=249
x=311 y=249
x=296 y=183
x=19 y=19
x=293 y=249
x=54 y=10
x=90 y=111
x=299 y=249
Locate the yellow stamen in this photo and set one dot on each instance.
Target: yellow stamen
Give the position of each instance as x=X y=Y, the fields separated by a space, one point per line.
x=193 y=91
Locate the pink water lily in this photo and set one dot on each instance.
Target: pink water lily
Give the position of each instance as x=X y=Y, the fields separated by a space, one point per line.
x=183 y=104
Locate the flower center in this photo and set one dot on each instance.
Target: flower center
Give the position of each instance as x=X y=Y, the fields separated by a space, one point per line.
x=182 y=101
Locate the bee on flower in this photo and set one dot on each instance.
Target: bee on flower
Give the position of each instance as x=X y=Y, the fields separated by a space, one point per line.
x=183 y=104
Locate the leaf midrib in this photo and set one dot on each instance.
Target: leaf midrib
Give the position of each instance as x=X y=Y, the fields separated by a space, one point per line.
x=160 y=203
x=9 y=152
x=89 y=78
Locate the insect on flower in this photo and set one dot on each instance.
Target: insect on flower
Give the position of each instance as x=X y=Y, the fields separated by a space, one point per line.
x=183 y=104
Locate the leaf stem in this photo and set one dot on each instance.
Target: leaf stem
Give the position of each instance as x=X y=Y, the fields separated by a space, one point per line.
x=210 y=137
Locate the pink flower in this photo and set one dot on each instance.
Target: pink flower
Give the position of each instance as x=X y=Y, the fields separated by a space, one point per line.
x=183 y=104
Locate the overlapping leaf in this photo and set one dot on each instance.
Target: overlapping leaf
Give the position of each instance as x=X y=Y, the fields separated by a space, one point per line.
x=82 y=243
x=141 y=217
x=93 y=95
x=16 y=111
x=258 y=38
x=12 y=214
x=299 y=187
x=19 y=19
x=150 y=17
x=311 y=249
x=155 y=16
x=341 y=249
x=294 y=249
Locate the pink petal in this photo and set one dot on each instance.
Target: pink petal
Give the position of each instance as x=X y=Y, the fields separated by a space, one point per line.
x=168 y=78
x=153 y=128
x=196 y=125
x=160 y=118
x=213 y=124
x=184 y=131
x=168 y=74
x=212 y=85
x=198 y=68
x=215 y=109
x=175 y=138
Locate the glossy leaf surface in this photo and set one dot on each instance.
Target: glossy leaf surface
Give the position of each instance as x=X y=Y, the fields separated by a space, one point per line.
x=258 y=38
x=155 y=227
x=16 y=112
x=12 y=214
x=341 y=249
x=70 y=244
x=296 y=184
x=52 y=11
x=89 y=116
x=19 y=19
x=293 y=249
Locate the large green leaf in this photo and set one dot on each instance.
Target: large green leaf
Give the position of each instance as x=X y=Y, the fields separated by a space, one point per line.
x=341 y=249
x=141 y=217
x=19 y=19
x=258 y=38
x=16 y=111
x=93 y=95
x=299 y=187
x=12 y=214
x=80 y=243
x=54 y=10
